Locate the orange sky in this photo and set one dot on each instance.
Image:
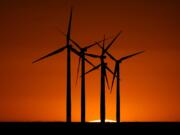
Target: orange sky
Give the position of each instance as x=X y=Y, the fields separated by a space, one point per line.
x=37 y=92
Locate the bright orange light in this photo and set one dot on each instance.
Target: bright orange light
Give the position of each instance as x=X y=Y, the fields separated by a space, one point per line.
x=107 y=120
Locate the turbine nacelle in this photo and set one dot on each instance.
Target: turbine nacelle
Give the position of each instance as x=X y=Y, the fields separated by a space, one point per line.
x=104 y=56
x=84 y=49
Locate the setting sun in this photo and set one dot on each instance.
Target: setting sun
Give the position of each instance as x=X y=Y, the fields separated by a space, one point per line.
x=107 y=121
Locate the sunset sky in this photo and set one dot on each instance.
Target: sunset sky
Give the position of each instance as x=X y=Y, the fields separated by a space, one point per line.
x=150 y=82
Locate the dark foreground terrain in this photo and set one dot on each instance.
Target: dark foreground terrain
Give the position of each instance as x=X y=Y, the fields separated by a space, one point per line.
x=70 y=127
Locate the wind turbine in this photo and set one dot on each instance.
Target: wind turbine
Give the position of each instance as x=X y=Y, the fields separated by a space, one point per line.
x=104 y=67
x=69 y=49
x=82 y=59
x=117 y=75
x=83 y=53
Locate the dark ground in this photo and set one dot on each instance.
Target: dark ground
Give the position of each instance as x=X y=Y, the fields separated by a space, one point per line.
x=75 y=126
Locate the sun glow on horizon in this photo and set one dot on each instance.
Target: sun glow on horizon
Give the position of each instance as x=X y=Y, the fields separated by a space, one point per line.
x=107 y=120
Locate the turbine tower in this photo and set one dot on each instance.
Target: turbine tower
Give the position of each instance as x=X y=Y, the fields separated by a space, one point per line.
x=117 y=75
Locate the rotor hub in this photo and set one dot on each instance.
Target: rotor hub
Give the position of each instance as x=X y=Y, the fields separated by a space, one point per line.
x=104 y=56
x=84 y=49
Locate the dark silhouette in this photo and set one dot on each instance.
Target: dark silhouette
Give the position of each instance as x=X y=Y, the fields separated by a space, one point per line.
x=83 y=51
x=117 y=75
x=82 y=59
x=104 y=67
x=68 y=46
x=104 y=79
x=68 y=128
x=69 y=49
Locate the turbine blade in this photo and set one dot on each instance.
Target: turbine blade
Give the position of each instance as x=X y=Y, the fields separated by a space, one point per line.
x=113 y=58
x=69 y=27
x=96 y=67
x=109 y=70
x=112 y=41
x=89 y=46
x=92 y=55
x=114 y=75
x=77 y=53
x=104 y=42
x=74 y=42
x=129 y=56
x=78 y=70
x=89 y=62
x=100 y=47
x=107 y=80
x=108 y=53
x=50 y=54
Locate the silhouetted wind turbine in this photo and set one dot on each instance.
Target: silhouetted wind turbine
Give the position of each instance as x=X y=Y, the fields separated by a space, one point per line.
x=117 y=75
x=69 y=49
x=104 y=67
x=83 y=53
